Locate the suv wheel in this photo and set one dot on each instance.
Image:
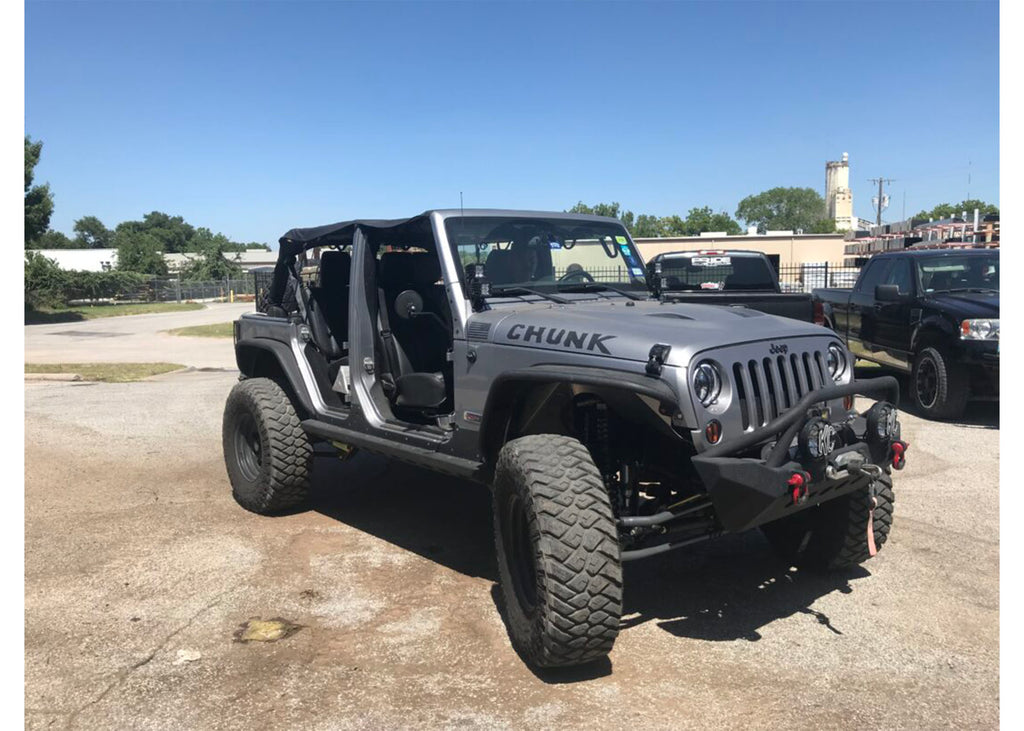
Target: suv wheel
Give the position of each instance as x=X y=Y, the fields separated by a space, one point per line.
x=267 y=453
x=558 y=551
x=938 y=386
x=834 y=534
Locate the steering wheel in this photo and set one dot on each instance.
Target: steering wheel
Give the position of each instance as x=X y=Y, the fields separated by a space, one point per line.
x=576 y=274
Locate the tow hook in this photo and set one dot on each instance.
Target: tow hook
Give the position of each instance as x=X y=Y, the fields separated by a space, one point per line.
x=898 y=452
x=798 y=486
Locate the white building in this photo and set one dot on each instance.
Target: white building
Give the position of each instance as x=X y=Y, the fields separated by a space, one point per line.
x=82 y=260
x=838 y=196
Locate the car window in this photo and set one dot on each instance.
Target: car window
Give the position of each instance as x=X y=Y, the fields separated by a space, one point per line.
x=874 y=275
x=717 y=272
x=899 y=274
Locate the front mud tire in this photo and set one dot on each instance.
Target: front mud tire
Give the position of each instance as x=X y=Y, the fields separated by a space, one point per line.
x=834 y=535
x=268 y=455
x=940 y=386
x=558 y=551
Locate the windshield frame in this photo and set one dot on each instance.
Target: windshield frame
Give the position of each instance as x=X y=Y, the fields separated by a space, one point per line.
x=558 y=224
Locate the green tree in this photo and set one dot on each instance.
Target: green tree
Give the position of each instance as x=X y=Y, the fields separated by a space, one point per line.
x=950 y=210
x=783 y=209
x=90 y=233
x=38 y=199
x=138 y=251
x=647 y=226
x=699 y=220
x=822 y=226
x=54 y=240
x=212 y=264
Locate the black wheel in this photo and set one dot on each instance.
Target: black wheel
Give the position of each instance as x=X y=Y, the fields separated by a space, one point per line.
x=938 y=386
x=834 y=534
x=268 y=455
x=558 y=551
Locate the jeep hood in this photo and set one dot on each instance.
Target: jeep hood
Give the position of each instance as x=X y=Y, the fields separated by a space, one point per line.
x=615 y=329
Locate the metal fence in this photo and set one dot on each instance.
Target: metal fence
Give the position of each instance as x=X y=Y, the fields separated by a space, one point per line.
x=609 y=275
x=792 y=277
x=805 y=277
x=172 y=289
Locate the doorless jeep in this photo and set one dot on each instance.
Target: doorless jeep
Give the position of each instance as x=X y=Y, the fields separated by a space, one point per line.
x=524 y=351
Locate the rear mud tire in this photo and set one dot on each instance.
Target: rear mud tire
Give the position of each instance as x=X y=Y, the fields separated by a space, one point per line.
x=939 y=386
x=268 y=455
x=833 y=535
x=558 y=552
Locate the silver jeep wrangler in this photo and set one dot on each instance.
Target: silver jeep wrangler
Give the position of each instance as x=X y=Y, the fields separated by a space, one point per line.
x=530 y=352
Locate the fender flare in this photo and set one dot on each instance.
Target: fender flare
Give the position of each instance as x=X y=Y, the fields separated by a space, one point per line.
x=932 y=324
x=497 y=408
x=250 y=354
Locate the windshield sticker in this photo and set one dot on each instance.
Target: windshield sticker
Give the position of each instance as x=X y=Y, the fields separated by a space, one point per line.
x=637 y=271
x=628 y=255
x=554 y=245
x=620 y=240
x=711 y=261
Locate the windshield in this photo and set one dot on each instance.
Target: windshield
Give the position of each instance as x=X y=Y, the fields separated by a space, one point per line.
x=547 y=254
x=964 y=272
x=716 y=272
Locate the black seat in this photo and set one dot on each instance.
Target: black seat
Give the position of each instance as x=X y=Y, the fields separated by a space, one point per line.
x=328 y=315
x=419 y=344
x=500 y=267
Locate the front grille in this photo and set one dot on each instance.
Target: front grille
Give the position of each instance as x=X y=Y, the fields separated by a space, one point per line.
x=771 y=386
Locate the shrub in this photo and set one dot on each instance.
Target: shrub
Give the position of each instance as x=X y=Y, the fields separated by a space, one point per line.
x=44 y=282
x=47 y=285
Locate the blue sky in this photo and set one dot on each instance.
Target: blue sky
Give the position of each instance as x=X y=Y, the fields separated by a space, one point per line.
x=252 y=118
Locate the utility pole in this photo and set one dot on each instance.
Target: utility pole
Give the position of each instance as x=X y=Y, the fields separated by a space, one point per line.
x=880 y=181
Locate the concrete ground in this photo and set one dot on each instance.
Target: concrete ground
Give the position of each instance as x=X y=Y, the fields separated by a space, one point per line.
x=140 y=568
x=136 y=339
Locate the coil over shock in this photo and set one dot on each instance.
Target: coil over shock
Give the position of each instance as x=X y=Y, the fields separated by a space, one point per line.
x=594 y=429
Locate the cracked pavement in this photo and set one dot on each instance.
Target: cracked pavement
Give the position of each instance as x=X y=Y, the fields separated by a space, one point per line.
x=140 y=569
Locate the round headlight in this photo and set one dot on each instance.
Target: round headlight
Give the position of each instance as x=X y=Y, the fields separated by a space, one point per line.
x=836 y=361
x=707 y=383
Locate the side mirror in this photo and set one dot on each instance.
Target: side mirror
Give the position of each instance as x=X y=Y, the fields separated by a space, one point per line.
x=887 y=293
x=408 y=304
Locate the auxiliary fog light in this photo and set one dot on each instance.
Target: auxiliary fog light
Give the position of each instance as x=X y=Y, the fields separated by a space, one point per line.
x=883 y=424
x=817 y=438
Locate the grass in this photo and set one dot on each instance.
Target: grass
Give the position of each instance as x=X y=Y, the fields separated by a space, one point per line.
x=91 y=312
x=218 y=330
x=106 y=372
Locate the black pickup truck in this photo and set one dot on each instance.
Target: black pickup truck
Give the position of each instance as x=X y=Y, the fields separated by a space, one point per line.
x=726 y=278
x=931 y=313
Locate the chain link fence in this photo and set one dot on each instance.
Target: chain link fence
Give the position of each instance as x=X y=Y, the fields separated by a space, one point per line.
x=172 y=289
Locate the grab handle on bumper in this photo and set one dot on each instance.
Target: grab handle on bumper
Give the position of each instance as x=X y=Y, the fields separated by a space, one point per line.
x=884 y=385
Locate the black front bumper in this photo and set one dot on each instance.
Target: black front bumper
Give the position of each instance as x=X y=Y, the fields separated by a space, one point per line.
x=750 y=491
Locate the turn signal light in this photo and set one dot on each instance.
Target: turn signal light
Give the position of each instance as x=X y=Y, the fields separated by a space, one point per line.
x=713 y=431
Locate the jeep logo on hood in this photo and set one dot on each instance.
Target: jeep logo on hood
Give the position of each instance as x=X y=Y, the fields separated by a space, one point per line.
x=778 y=349
x=559 y=336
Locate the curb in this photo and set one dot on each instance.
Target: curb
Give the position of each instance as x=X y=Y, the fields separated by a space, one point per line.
x=52 y=377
